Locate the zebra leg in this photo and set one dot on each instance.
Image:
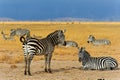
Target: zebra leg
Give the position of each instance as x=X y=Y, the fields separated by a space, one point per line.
x=45 y=63
x=25 y=73
x=29 y=62
x=49 y=61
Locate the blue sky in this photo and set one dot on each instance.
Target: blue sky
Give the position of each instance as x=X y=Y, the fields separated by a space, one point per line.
x=51 y=9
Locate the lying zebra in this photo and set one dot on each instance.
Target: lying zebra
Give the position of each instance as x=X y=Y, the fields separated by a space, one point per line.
x=44 y=46
x=94 y=41
x=16 y=32
x=96 y=63
x=70 y=44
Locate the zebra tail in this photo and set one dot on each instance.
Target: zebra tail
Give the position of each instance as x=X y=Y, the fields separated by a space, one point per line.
x=22 y=39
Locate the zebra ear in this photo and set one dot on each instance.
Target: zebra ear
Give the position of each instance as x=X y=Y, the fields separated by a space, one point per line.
x=82 y=48
x=12 y=29
x=64 y=30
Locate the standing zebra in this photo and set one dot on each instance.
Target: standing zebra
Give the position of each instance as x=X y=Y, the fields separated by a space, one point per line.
x=44 y=46
x=94 y=41
x=96 y=63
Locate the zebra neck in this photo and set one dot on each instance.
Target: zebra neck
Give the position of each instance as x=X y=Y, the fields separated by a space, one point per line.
x=86 y=59
x=53 y=41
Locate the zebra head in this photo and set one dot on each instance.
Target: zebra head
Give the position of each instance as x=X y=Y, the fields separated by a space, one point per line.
x=83 y=54
x=91 y=38
x=80 y=51
x=12 y=32
x=57 y=37
x=2 y=32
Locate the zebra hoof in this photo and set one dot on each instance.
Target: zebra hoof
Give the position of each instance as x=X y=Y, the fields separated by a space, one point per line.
x=29 y=74
x=49 y=71
x=25 y=73
x=46 y=70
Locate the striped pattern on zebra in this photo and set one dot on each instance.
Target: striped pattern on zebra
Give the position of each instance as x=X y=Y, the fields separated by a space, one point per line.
x=19 y=32
x=16 y=32
x=70 y=44
x=4 y=36
x=94 y=41
x=44 y=46
x=96 y=63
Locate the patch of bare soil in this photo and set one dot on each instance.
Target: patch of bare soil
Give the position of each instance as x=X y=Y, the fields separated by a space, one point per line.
x=61 y=70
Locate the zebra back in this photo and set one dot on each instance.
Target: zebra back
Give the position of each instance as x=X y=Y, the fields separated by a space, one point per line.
x=19 y=32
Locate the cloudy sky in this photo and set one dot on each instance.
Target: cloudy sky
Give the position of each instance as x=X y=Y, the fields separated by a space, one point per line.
x=52 y=9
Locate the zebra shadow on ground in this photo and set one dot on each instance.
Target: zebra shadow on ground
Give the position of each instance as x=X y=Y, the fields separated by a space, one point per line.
x=65 y=70
x=81 y=68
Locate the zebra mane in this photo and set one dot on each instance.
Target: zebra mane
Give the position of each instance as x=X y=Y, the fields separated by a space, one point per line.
x=86 y=53
x=54 y=36
x=54 y=33
x=92 y=36
x=85 y=56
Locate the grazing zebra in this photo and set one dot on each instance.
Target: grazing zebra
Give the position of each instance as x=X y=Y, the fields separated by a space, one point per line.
x=44 y=46
x=94 y=41
x=96 y=63
x=70 y=44
x=16 y=32
x=19 y=32
x=4 y=36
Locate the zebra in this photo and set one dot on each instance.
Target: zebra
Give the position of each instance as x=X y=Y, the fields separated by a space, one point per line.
x=44 y=46
x=16 y=32
x=94 y=41
x=96 y=63
x=19 y=32
x=4 y=36
x=70 y=44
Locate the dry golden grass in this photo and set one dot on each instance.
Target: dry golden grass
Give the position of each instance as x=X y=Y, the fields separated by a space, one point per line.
x=11 y=51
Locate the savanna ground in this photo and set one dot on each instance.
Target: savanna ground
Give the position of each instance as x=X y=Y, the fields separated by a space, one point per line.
x=65 y=65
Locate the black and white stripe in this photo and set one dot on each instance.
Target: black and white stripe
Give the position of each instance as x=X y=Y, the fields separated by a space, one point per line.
x=16 y=32
x=70 y=44
x=96 y=63
x=44 y=46
x=94 y=41
x=19 y=32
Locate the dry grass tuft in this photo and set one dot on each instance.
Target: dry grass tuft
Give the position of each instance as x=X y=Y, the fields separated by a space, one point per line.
x=13 y=66
x=16 y=59
x=4 y=57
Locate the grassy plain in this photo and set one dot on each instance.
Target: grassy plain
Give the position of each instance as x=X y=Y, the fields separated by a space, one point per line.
x=11 y=51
